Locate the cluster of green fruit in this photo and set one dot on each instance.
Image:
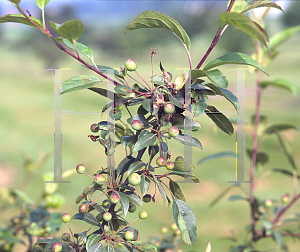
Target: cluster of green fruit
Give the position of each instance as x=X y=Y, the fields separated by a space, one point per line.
x=161 y=161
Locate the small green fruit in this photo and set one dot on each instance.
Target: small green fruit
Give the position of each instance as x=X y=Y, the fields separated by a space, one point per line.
x=118 y=115
x=164 y=230
x=143 y=215
x=170 y=165
x=131 y=64
x=129 y=235
x=65 y=237
x=136 y=125
x=109 y=152
x=55 y=200
x=106 y=203
x=66 y=217
x=161 y=161
x=94 y=128
x=268 y=203
x=114 y=198
x=56 y=246
x=80 y=168
x=99 y=179
x=179 y=158
x=174 y=226
x=173 y=131
x=107 y=216
x=83 y=208
x=118 y=105
x=285 y=198
x=147 y=198
x=134 y=179
x=169 y=108
x=132 y=208
x=177 y=232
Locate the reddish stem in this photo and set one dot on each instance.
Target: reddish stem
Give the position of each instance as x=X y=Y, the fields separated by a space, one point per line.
x=216 y=39
x=283 y=210
x=255 y=147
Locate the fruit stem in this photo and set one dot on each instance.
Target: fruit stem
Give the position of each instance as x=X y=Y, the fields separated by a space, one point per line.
x=88 y=175
x=137 y=81
x=71 y=232
x=124 y=227
x=99 y=197
x=143 y=79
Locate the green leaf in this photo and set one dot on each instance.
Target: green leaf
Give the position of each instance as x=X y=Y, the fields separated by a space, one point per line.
x=179 y=82
x=175 y=189
x=134 y=198
x=245 y=5
x=188 y=140
x=267 y=225
x=96 y=248
x=136 y=166
x=185 y=220
x=87 y=217
x=261 y=157
x=184 y=121
x=153 y=19
x=280 y=83
x=79 y=83
x=70 y=30
x=219 y=119
x=236 y=197
x=124 y=165
x=279 y=239
x=19 y=18
x=81 y=48
x=148 y=105
x=185 y=175
x=217 y=155
x=227 y=94
x=145 y=139
x=92 y=240
x=145 y=185
x=283 y=36
x=15 y=1
x=182 y=166
x=160 y=188
x=288 y=153
x=200 y=105
x=234 y=58
x=246 y=24
x=42 y=3
x=104 y=92
x=125 y=140
x=144 y=246
x=285 y=172
x=123 y=90
x=279 y=127
x=124 y=202
x=215 y=76
x=23 y=196
x=176 y=102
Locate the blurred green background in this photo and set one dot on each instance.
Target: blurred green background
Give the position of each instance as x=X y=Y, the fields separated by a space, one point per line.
x=27 y=105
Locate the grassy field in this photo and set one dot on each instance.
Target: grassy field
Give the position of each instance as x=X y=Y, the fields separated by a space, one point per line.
x=27 y=127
